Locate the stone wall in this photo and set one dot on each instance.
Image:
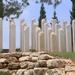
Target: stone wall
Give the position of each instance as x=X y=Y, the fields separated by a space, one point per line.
x=36 y=63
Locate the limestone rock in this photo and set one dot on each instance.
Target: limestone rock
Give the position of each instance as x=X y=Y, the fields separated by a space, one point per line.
x=41 y=63
x=14 y=66
x=34 y=59
x=35 y=54
x=24 y=58
x=3 y=60
x=40 y=71
x=20 y=72
x=70 y=73
x=1 y=66
x=56 y=71
x=23 y=65
x=30 y=65
x=45 y=57
x=26 y=53
x=55 y=63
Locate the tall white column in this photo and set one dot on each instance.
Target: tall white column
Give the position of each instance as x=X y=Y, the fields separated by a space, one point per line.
x=1 y=35
x=54 y=21
x=12 y=37
x=43 y=21
x=26 y=39
x=49 y=30
x=62 y=44
x=57 y=26
x=21 y=21
x=41 y=41
x=53 y=42
x=32 y=32
x=68 y=39
x=38 y=30
x=73 y=27
x=23 y=25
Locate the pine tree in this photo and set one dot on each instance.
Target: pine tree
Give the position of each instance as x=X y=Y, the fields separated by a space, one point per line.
x=42 y=14
x=72 y=12
x=55 y=17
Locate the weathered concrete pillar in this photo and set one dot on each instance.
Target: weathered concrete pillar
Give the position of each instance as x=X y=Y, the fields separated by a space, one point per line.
x=41 y=41
x=43 y=21
x=57 y=26
x=26 y=39
x=12 y=37
x=54 y=21
x=49 y=30
x=45 y=35
x=32 y=33
x=64 y=25
x=62 y=44
x=1 y=35
x=37 y=34
x=21 y=21
x=73 y=27
x=68 y=39
x=23 y=25
x=53 y=42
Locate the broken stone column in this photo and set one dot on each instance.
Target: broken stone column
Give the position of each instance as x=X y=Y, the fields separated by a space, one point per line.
x=53 y=42
x=64 y=25
x=37 y=34
x=21 y=21
x=1 y=34
x=49 y=30
x=26 y=39
x=68 y=39
x=43 y=21
x=73 y=27
x=54 y=21
x=23 y=25
x=32 y=33
x=62 y=44
x=41 y=41
x=12 y=36
x=57 y=26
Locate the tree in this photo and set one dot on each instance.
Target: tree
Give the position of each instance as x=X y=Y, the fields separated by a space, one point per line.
x=72 y=12
x=42 y=14
x=12 y=8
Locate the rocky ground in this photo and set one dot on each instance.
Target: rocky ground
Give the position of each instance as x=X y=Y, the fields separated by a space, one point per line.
x=35 y=63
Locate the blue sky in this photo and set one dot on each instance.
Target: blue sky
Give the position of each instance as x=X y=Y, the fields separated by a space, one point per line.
x=32 y=11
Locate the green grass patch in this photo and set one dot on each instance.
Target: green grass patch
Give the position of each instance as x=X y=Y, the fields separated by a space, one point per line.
x=63 y=54
x=5 y=73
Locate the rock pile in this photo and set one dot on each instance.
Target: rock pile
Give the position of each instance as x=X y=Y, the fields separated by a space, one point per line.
x=36 y=63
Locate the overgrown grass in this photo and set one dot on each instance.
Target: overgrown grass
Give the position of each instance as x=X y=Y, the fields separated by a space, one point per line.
x=5 y=73
x=64 y=54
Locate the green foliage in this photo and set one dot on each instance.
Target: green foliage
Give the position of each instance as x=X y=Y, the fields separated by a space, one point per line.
x=5 y=73
x=32 y=50
x=42 y=14
x=72 y=12
x=64 y=54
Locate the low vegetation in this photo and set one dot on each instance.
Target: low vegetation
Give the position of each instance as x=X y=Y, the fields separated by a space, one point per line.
x=63 y=54
x=5 y=73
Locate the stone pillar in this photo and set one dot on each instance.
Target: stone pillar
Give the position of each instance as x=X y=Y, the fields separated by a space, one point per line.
x=26 y=39
x=1 y=34
x=23 y=25
x=45 y=35
x=54 y=21
x=34 y=41
x=43 y=21
x=53 y=42
x=73 y=27
x=49 y=30
x=68 y=39
x=21 y=21
x=37 y=34
x=57 y=26
x=32 y=33
x=64 y=25
x=41 y=41
x=62 y=44
x=12 y=37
